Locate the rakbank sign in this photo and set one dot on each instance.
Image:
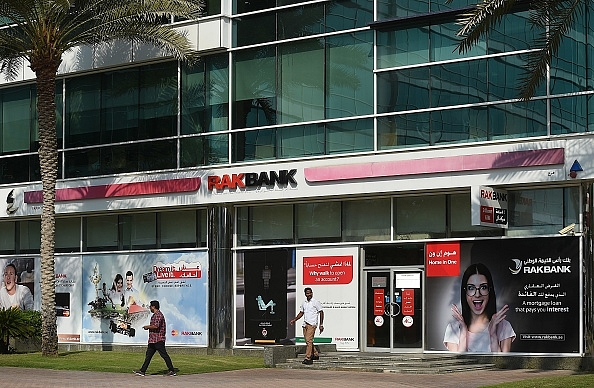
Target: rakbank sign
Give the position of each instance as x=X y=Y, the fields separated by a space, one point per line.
x=251 y=179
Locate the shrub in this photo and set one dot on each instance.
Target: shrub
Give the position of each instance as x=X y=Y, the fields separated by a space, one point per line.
x=15 y=323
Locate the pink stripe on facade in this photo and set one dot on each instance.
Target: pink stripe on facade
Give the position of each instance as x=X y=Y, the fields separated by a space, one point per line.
x=119 y=190
x=460 y=163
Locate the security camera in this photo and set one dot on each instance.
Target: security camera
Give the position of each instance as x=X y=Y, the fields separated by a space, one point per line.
x=568 y=229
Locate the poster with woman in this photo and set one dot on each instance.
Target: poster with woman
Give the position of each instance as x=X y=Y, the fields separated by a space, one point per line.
x=117 y=290
x=504 y=295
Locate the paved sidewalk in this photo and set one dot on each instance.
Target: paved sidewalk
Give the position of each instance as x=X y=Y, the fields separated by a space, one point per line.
x=265 y=378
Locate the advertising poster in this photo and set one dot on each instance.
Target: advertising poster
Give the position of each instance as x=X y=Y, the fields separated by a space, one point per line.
x=538 y=279
x=265 y=282
x=27 y=275
x=333 y=276
x=69 y=306
x=117 y=290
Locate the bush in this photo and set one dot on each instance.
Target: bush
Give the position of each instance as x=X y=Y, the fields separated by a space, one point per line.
x=16 y=323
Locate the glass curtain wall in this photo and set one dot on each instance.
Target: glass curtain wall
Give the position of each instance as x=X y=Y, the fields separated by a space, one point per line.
x=303 y=85
x=420 y=217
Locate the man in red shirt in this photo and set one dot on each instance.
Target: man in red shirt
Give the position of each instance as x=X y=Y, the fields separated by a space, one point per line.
x=156 y=340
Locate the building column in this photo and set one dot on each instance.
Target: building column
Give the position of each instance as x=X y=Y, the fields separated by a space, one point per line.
x=220 y=280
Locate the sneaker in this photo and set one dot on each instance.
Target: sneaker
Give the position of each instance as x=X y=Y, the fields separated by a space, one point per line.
x=170 y=373
x=138 y=372
x=315 y=358
x=307 y=361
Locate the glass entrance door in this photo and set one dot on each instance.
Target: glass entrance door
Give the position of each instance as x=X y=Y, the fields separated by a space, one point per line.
x=394 y=311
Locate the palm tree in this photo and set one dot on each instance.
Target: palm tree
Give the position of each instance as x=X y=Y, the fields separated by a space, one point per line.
x=554 y=17
x=40 y=32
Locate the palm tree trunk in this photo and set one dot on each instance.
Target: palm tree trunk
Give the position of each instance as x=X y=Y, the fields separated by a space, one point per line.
x=48 y=160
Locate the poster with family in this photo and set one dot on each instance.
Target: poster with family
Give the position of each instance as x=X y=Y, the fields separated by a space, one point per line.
x=504 y=295
x=117 y=290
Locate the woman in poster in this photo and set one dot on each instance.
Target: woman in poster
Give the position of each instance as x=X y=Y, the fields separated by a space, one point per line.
x=116 y=293
x=479 y=327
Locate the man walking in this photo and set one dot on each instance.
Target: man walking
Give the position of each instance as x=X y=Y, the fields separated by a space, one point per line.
x=310 y=308
x=156 y=341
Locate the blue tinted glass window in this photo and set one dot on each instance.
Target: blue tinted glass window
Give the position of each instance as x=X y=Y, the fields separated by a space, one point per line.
x=404 y=130
x=204 y=150
x=513 y=33
x=569 y=115
x=390 y=9
x=205 y=95
x=157 y=110
x=17 y=119
x=301 y=140
x=458 y=126
x=349 y=78
x=254 y=145
x=402 y=47
x=438 y=5
x=444 y=43
x=348 y=14
x=254 y=29
x=568 y=67
x=505 y=76
x=519 y=119
x=83 y=102
x=405 y=89
x=119 y=106
x=241 y=6
x=349 y=136
x=458 y=83
x=301 y=21
x=301 y=86
x=254 y=81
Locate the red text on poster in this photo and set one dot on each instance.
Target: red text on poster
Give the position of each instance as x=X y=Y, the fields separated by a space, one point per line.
x=442 y=259
x=327 y=270
x=408 y=302
x=378 y=301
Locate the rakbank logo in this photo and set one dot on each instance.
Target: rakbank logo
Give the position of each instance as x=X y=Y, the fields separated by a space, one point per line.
x=251 y=180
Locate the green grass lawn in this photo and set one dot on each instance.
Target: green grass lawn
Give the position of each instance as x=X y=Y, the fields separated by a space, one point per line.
x=574 y=381
x=125 y=362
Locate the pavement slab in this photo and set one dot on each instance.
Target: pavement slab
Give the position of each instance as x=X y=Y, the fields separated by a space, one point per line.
x=266 y=378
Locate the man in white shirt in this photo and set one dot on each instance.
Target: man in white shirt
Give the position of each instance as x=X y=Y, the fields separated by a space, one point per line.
x=131 y=294
x=310 y=309
x=12 y=294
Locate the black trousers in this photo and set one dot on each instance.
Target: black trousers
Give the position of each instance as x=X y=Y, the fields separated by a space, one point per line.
x=150 y=352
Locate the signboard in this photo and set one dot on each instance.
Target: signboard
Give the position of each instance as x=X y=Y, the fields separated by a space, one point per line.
x=332 y=274
x=265 y=291
x=442 y=259
x=69 y=305
x=491 y=208
x=378 y=301
x=538 y=279
x=117 y=290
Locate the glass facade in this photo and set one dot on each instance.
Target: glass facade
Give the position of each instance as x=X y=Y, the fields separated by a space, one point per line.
x=418 y=217
x=307 y=79
x=302 y=87
x=302 y=80
x=115 y=232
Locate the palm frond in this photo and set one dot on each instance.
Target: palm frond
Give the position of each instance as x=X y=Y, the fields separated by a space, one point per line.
x=559 y=16
x=476 y=23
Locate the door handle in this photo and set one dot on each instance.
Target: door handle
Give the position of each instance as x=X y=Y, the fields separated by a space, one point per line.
x=394 y=309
